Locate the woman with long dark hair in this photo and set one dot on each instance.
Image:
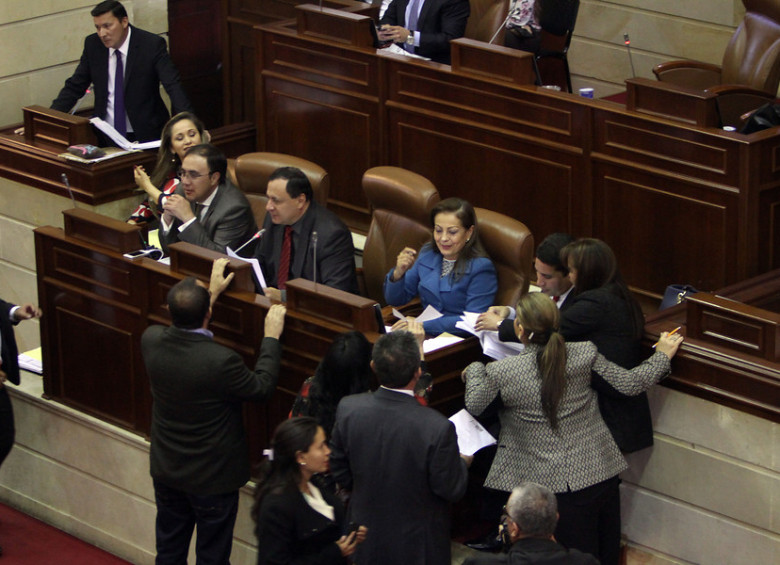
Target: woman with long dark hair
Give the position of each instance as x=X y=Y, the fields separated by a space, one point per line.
x=452 y=273
x=297 y=522
x=551 y=430
x=182 y=131
x=602 y=310
x=345 y=370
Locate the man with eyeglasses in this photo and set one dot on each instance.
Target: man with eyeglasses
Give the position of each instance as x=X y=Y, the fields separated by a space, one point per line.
x=206 y=210
x=302 y=239
x=529 y=521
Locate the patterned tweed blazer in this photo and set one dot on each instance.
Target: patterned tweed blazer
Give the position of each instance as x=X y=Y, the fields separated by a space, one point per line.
x=581 y=452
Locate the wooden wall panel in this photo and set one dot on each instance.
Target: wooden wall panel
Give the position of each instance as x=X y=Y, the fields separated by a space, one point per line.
x=665 y=231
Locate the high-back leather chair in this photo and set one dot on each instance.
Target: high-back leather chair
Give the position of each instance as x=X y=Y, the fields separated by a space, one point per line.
x=253 y=169
x=486 y=20
x=401 y=202
x=557 y=19
x=750 y=71
x=510 y=245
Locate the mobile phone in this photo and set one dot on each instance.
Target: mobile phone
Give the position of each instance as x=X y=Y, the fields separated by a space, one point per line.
x=352 y=527
x=152 y=253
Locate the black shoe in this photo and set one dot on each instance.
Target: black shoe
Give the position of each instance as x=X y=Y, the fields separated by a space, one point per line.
x=490 y=542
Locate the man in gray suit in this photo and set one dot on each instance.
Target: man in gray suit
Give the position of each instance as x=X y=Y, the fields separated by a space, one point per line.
x=199 y=457
x=400 y=460
x=206 y=210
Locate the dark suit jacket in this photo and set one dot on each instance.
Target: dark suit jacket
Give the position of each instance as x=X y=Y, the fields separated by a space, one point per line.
x=198 y=444
x=534 y=551
x=289 y=530
x=440 y=22
x=9 y=352
x=228 y=222
x=147 y=65
x=401 y=461
x=604 y=318
x=335 y=250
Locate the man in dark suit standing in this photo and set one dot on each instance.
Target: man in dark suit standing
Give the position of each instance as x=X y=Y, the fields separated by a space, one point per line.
x=296 y=222
x=199 y=457
x=530 y=520
x=400 y=460
x=206 y=210
x=136 y=110
x=10 y=315
x=425 y=27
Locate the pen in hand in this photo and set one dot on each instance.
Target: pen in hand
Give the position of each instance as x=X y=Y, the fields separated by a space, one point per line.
x=674 y=331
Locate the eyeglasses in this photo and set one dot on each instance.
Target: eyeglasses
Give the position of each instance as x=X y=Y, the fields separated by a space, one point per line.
x=192 y=175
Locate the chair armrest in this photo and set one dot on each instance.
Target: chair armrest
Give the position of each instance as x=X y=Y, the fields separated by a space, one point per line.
x=736 y=102
x=693 y=74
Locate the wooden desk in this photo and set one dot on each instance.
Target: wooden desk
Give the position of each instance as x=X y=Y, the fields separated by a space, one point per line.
x=731 y=353
x=98 y=304
x=679 y=203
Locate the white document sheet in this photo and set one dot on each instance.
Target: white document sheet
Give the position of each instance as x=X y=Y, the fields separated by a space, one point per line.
x=471 y=435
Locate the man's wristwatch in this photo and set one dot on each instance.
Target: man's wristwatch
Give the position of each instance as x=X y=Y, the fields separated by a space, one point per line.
x=410 y=39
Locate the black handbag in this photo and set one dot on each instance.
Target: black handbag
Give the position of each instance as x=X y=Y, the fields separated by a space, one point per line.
x=675 y=294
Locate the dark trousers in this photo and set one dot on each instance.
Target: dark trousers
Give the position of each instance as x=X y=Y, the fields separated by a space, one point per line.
x=590 y=520
x=7 y=430
x=177 y=515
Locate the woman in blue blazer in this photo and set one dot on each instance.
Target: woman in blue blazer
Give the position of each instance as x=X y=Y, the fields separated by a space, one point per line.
x=452 y=273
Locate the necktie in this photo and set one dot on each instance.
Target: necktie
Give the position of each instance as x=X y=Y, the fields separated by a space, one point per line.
x=120 y=121
x=198 y=210
x=411 y=25
x=284 y=259
x=556 y=299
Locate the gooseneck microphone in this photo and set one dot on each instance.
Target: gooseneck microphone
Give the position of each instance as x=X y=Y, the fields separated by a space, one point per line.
x=257 y=235
x=503 y=24
x=64 y=178
x=314 y=251
x=627 y=42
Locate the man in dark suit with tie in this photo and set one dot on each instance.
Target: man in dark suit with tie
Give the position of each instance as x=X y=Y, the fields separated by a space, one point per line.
x=198 y=456
x=10 y=315
x=136 y=110
x=297 y=231
x=425 y=27
x=206 y=210
x=400 y=460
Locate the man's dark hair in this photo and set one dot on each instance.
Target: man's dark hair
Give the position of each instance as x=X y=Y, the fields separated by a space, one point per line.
x=188 y=303
x=215 y=159
x=112 y=6
x=534 y=509
x=549 y=251
x=297 y=182
x=396 y=358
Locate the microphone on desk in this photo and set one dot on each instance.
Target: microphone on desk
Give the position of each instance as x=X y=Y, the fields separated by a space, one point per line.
x=627 y=43
x=314 y=250
x=503 y=24
x=64 y=178
x=258 y=235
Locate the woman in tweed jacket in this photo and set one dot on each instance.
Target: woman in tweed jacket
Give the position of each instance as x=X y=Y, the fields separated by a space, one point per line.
x=551 y=430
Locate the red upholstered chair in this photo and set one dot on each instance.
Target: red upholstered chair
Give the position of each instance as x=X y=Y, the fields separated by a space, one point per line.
x=750 y=71
x=253 y=169
x=510 y=245
x=401 y=202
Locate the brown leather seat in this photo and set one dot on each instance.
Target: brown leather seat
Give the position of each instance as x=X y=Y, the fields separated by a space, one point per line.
x=253 y=169
x=487 y=18
x=401 y=202
x=750 y=71
x=510 y=245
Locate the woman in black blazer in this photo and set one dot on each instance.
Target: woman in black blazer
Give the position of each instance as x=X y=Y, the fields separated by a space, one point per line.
x=601 y=309
x=297 y=521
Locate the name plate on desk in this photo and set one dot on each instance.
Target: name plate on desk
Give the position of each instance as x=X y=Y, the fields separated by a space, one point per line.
x=734 y=325
x=337 y=306
x=336 y=25
x=486 y=60
x=101 y=230
x=191 y=260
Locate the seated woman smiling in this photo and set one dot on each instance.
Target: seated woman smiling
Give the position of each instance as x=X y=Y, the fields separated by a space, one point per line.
x=452 y=273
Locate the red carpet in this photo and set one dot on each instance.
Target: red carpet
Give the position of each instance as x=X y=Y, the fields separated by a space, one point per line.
x=26 y=540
